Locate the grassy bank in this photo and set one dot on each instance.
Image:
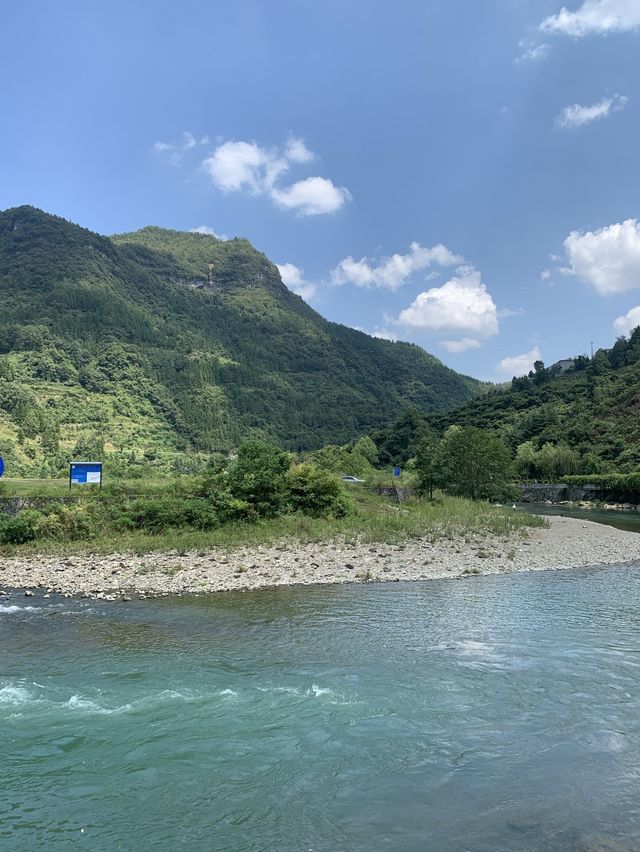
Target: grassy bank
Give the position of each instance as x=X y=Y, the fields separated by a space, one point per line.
x=371 y=518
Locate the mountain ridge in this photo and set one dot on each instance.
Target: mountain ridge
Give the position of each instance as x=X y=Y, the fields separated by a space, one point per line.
x=183 y=343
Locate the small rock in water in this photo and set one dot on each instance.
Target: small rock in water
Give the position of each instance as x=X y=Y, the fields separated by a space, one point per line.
x=28 y=594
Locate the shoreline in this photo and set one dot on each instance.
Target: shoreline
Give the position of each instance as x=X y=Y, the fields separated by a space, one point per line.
x=566 y=543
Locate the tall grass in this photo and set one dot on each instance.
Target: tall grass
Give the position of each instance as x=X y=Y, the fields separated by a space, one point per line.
x=372 y=519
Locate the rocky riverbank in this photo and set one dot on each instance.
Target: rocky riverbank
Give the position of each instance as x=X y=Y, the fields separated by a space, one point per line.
x=565 y=543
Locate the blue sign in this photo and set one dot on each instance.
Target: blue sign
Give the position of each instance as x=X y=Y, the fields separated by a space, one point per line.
x=1 y=465
x=396 y=471
x=85 y=473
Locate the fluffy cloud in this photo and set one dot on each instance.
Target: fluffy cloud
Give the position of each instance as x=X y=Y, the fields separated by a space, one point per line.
x=205 y=229
x=380 y=333
x=293 y=277
x=519 y=365
x=577 y=115
x=297 y=152
x=462 y=304
x=391 y=272
x=312 y=196
x=608 y=259
x=457 y=346
x=235 y=166
x=595 y=16
x=248 y=167
x=626 y=323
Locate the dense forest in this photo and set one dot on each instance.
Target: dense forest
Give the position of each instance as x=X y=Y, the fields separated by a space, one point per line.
x=156 y=346
x=583 y=421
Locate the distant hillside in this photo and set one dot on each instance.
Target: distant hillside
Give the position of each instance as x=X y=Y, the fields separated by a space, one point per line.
x=162 y=342
x=593 y=410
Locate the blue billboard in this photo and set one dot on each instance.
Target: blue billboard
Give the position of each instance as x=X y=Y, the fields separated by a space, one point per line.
x=85 y=473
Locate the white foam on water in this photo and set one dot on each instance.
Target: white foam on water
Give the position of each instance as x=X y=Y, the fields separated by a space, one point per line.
x=228 y=692
x=15 y=695
x=12 y=608
x=290 y=690
x=319 y=691
x=167 y=696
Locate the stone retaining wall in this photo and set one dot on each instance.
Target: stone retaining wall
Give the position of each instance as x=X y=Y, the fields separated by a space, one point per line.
x=558 y=492
x=13 y=505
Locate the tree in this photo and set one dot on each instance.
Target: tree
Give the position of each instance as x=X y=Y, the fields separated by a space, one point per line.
x=258 y=476
x=315 y=492
x=473 y=463
x=525 y=463
x=426 y=466
x=539 y=374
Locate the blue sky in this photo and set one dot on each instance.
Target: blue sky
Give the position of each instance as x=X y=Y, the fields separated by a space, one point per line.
x=457 y=173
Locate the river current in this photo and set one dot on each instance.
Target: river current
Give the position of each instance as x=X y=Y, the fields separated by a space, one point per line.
x=491 y=713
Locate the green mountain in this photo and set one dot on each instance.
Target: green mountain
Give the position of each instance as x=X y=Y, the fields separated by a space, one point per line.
x=162 y=342
x=583 y=421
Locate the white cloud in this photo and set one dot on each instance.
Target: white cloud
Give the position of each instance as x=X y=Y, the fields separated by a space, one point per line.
x=392 y=272
x=595 y=17
x=205 y=229
x=248 y=167
x=545 y=275
x=312 y=196
x=235 y=166
x=626 y=323
x=174 y=152
x=532 y=51
x=608 y=259
x=297 y=152
x=505 y=313
x=380 y=333
x=457 y=346
x=519 y=365
x=293 y=278
x=384 y=334
x=462 y=304
x=577 y=115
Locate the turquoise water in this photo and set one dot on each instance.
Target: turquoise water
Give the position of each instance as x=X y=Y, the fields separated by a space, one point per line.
x=618 y=518
x=494 y=713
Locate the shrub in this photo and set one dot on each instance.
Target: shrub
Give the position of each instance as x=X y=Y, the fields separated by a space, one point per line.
x=622 y=486
x=315 y=492
x=159 y=514
x=21 y=528
x=67 y=523
x=258 y=477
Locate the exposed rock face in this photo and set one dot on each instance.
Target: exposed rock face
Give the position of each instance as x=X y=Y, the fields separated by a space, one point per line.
x=558 y=492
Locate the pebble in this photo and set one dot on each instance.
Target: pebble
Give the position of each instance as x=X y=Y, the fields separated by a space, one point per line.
x=567 y=542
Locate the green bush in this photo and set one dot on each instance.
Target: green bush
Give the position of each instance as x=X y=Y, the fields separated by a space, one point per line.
x=67 y=523
x=315 y=492
x=622 y=486
x=156 y=515
x=258 y=477
x=21 y=528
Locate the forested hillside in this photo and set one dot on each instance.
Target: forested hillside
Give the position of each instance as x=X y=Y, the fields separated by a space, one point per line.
x=161 y=344
x=585 y=421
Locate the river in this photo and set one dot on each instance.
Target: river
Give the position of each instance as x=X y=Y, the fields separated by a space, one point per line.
x=494 y=713
x=621 y=519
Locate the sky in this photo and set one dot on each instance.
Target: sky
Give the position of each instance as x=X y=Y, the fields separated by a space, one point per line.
x=458 y=174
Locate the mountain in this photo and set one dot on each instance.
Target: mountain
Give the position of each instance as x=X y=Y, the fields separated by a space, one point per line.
x=583 y=421
x=163 y=342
